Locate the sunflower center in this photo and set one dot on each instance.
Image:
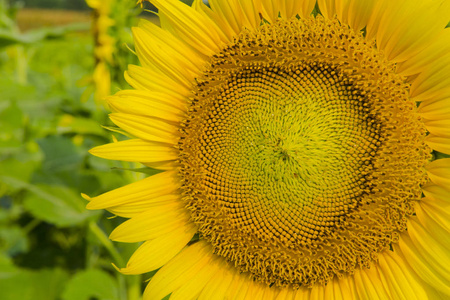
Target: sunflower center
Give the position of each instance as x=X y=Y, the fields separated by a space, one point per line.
x=302 y=153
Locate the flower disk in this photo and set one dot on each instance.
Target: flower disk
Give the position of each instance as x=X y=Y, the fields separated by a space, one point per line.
x=301 y=152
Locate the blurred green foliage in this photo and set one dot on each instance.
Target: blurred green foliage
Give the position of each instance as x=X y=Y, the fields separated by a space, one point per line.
x=51 y=247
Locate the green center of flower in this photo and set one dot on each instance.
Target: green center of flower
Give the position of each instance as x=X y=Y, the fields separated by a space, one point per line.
x=302 y=153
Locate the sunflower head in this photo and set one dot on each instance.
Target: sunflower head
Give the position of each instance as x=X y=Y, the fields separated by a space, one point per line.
x=298 y=148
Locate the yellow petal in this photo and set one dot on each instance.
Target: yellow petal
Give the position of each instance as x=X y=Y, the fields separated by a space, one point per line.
x=339 y=289
x=239 y=286
x=436 y=192
x=151 y=80
x=327 y=8
x=439 y=172
x=369 y=285
x=153 y=223
x=138 y=192
x=433 y=216
x=147 y=104
x=157 y=54
x=438 y=143
x=136 y=151
x=182 y=56
x=419 y=262
x=439 y=127
x=156 y=253
x=132 y=209
x=404 y=28
x=147 y=128
x=401 y=281
x=433 y=54
x=192 y=288
x=433 y=82
x=436 y=212
x=435 y=109
x=359 y=13
x=286 y=9
x=177 y=272
x=187 y=24
x=218 y=286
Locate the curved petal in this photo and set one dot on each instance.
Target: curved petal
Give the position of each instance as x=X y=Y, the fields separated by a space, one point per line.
x=132 y=209
x=433 y=54
x=438 y=143
x=398 y=278
x=435 y=109
x=156 y=253
x=136 y=151
x=404 y=28
x=154 y=43
x=153 y=223
x=150 y=80
x=327 y=8
x=147 y=128
x=419 y=260
x=369 y=284
x=439 y=172
x=178 y=272
x=355 y=13
x=187 y=24
x=144 y=103
x=138 y=192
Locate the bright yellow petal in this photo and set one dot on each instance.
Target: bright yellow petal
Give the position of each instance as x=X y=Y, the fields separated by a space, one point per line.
x=138 y=192
x=435 y=109
x=433 y=54
x=438 y=143
x=147 y=128
x=156 y=253
x=239 y=286
x=153 y=223
x=439 y=127
x=194 y=286
x=136 y=150
x=187 y=24
x=151 y=80
x=437 y=212
x=404 y=28
x=327 y=8
x=359 y=13
x=177 y=272
x=145 y=103
x=369 y=285
x=132 y=209
x=434 y=217
x=218 y=286
x=286 y=9
x=433 y=82
x=420 y=261
x=398 y=278
x=439 y=172
x=436 y=192
x=156 y=39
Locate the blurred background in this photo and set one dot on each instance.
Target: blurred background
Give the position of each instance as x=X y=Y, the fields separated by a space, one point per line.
x=59 y=59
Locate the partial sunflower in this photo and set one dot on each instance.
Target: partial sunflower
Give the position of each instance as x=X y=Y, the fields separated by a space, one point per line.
x=299 y=149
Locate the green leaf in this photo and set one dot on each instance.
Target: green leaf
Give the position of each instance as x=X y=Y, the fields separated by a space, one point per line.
x=32 y=285
x=13 y=240
x=58 y=205
x=90 y=284
x=60 y=153
x=70 y=124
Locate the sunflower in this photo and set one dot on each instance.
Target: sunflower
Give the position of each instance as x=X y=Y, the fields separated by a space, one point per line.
x=301 y=146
